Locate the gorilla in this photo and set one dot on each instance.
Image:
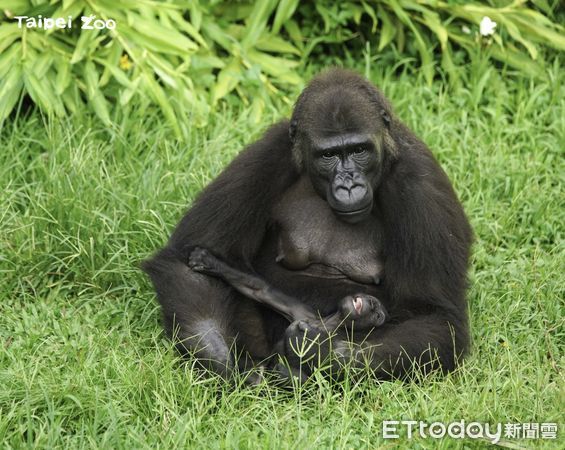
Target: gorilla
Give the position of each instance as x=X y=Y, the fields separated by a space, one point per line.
x=341 y=200
x=360 y=310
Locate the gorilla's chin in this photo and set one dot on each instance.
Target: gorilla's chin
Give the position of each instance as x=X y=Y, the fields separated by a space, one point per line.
x=355 y=216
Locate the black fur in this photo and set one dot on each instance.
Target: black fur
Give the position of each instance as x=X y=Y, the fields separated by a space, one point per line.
x=424 y=242
x=357 y=312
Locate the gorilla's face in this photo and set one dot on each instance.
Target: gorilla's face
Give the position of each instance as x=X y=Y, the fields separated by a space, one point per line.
x=367 y=311
x=341 y=134
x=343 y=169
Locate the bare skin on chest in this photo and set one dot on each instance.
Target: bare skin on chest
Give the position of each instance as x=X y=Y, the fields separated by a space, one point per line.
x=313 y=240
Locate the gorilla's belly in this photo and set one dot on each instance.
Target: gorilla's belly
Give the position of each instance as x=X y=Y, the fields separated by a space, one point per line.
x=319 y=285
x=310 y=239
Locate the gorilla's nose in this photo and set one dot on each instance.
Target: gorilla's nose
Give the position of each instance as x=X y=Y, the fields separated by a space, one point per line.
x=350 y=192
x=347 y=182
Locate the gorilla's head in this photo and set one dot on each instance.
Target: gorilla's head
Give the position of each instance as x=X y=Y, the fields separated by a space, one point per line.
x=340 y=130
x=367 y=311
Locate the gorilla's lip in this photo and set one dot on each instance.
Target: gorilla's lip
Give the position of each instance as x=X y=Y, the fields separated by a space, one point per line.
x=354 y=212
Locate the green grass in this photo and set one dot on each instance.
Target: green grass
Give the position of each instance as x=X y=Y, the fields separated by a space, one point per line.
x=83 y=362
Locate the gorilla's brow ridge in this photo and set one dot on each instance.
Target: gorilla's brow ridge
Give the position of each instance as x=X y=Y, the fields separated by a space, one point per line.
x=343 y=140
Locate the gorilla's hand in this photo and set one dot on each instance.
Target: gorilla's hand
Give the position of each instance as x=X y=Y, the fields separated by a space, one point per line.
x=201 y=260
x=302 y=340
x=307 y=346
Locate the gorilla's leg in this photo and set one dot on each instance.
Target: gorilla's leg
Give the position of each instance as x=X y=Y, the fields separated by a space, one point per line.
x=417 y=346
x=196 y=311
x=201 y=260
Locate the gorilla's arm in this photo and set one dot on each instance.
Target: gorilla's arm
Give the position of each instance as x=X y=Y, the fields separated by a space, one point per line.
x=418 y=345
x=230 y=217
x=427 y=246
x=231 y=214
x=427 y=235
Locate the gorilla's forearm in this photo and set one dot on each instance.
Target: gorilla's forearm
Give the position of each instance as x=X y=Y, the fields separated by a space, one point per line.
x=415 y=346
x=418 y=345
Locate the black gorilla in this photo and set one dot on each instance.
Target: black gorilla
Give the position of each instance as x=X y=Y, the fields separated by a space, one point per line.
x=342 y=199
x=358 y=312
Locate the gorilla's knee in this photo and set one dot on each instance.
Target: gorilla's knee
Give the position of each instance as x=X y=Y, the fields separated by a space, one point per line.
x=208 y=344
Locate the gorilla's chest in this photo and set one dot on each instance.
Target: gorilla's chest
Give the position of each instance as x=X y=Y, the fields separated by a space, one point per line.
x=312 y=240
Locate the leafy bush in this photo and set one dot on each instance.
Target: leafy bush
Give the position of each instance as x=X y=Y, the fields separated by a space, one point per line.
x=185 y=56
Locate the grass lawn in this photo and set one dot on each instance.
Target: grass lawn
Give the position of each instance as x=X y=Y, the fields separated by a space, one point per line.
x=83 y=362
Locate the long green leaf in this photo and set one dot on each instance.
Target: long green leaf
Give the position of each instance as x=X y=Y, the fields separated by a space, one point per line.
x=279 y=68
x=10 y=58
x=10 y=91
x=285 y=10
x=127 y=94
x=160 y=97
x=95 y=96
x=388 y=30
x=16 y=6
x=423 y=49
x=218 y=35
x=71 y=99
x=515 y=33
x=63 y=78
x=543 y=34
x=372 y=14
x=159 y=38
x=42 y=93
x=83 y=48
x=295 y=34
x=271 y=43
x=187 y=27
x=117 y=73
x=228 y=79
x=112 y=57
x=257 y=22
x=9 y=32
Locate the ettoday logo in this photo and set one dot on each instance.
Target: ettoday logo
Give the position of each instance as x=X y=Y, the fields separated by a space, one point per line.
x=460 y=429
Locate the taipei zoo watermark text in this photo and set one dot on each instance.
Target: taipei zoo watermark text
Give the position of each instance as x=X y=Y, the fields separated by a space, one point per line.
x=47 y=23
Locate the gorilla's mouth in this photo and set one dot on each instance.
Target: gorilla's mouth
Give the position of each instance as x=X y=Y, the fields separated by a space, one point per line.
x=357 y=304
x=356 y=215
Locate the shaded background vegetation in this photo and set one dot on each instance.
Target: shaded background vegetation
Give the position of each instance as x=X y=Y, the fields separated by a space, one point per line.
x=186 y=56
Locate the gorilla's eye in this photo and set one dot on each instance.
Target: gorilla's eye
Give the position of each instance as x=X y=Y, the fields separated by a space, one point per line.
x=328 y=155
x=359 y=150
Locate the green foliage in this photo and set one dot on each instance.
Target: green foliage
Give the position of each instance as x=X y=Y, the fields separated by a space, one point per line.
x=187 y=56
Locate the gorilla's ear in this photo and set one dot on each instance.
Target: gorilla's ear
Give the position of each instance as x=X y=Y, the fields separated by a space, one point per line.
x=292 y=130
x=386 y=117
x=380 y=101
